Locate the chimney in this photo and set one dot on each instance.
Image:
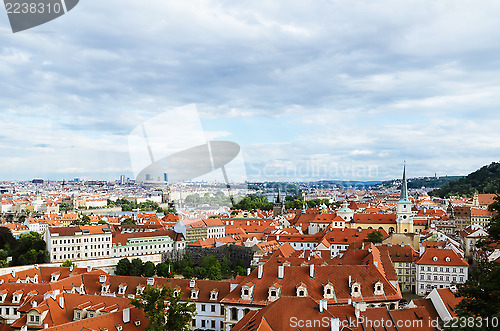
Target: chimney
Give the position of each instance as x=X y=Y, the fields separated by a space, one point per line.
x=45 y=326
x=13 y=274
x=335 y=324
x=36 y=266
x=71 y=268
x=363 y=246
x=61 y=302
x=281 y=271
x=89 y=268
x=192 y=283
x=349 y=301
x=323 y=305
x=126 y=315
x=102 y=278
x=248 y=271
x=376 y=263
x=349 y=280
x=260 y=271
x=278 y=237
x=311 y=271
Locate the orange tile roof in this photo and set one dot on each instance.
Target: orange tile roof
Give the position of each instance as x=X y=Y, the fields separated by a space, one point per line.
x=438 y=256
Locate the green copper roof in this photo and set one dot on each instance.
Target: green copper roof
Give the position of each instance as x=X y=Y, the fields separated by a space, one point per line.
x=404 y=187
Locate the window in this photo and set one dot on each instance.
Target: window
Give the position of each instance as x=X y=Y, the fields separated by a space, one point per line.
x=234 y=314
x=212 y=309
x=213 y=324
x=193 y=323
x=202 y=323
x=203 y=308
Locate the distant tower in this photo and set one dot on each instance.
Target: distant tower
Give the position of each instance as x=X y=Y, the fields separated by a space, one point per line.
x=278 y=206
x=404 y=218
x=304 y=208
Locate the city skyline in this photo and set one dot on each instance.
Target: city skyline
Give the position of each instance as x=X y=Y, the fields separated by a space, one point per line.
x=310 y=91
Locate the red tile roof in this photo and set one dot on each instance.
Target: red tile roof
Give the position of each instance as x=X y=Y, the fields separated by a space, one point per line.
x=438 y=256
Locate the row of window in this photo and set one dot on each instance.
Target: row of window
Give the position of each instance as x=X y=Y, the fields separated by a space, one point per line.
x=79 y=240
x=442 y=269
x=442 y=278
x=7 y=310
x=208 y=324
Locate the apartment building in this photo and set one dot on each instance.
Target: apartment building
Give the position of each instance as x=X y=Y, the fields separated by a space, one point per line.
x=440 y=268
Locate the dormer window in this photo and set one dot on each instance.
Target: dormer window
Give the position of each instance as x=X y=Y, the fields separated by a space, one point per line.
x=378 y=288
x=54 y=277
x=434 y=258
x=34 y=318
x=328 y=291
x=122 y=288
x=214 y=294
x=16 y=297
x=105 y=288
x=139 y=290
x=447 y=259
x=356 y=289
x=194 y=294
x=274 y=292
x=247 y=290
x=301 y=290
x=3 y=295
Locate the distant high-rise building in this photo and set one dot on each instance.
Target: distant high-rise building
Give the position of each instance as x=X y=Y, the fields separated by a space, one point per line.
x=122 y=180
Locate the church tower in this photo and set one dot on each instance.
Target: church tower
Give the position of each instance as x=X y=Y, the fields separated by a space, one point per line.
x=404 y=218
x=278 y=206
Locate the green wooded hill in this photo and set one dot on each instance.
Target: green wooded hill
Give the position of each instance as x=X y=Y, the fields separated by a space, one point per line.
x=429 y=182
x=484 y=180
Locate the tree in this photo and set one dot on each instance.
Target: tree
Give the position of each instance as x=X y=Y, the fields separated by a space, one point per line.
x=136 y=267
x=162 y=270
x=68 y=263
x=128 y=221
x=85 y=220
x=30 y=248
x=226 y=267
x=164 y=309
x=6 y=237
x=148 y=270
x=200 y=272
x=374 y=237
x=481 y=291
x=65 y=206
x=240 y=271
x=123 y=267
x=187 y=272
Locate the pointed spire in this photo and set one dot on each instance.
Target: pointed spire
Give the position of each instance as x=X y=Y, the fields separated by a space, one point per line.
x=278 y=197
x=304 y=206
x=404 y=186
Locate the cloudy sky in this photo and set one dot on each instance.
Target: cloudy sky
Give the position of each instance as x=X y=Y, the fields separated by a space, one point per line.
x=309 y=89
